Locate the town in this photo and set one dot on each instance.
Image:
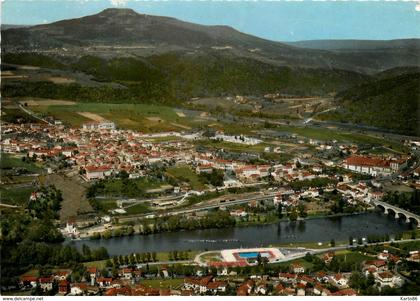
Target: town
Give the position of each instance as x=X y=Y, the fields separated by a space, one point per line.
x=214 y=185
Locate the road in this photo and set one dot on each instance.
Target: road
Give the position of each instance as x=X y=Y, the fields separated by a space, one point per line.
x=33 y=114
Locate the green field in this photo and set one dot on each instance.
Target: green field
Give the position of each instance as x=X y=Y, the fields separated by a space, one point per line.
x=164 y=283
x=103 y=205
x=131 y=188
x=353 y=256
x=329 y=134
x=303 y=262
x=10 y=161
x=138 y=209
x=142 y=117
x=15 y=196
x=186 y=174
x=234 y=147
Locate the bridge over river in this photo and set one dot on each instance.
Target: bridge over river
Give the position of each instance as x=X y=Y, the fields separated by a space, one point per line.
x=398 y=212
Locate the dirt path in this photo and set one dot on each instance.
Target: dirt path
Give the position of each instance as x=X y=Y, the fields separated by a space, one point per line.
x=92 y=116
x=74 y=195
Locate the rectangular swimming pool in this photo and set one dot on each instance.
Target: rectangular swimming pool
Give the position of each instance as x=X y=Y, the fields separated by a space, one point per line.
x=252 y=254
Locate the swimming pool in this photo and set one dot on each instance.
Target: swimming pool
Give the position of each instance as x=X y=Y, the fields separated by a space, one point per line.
x=253 y=254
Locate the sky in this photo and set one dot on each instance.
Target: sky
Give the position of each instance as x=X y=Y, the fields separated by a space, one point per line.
x=279 y=20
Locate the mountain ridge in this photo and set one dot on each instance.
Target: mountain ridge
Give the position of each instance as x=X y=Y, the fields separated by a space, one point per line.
x=148 y=35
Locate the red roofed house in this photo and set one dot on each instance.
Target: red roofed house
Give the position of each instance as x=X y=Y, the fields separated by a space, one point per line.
x=216 y=286
x=104 y=282
x=245 y=288
x=339 y=281
x=319 y=289
x=46 y=283
x=373 y=266
x=29 y=280
x=78 y=289
x=287 y=277
x=63 y=287
x=197 y=284
x=389 y=279
x=345 y=292
x=61 y=275
x=93 y=172
x=297 y=268
x=300 y=289
x=327 y=257
x=208 y=168
x=414 y=256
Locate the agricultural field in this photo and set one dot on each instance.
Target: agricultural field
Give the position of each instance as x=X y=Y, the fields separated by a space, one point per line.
x=9 y=162
x=137 y=209
x=15 y=196
x=74 y=195
x=164 y=283
x=234 y=147
x=186 y=174
x=341 y=136
x=142 y=117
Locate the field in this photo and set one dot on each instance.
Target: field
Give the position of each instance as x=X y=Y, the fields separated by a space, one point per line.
x=9 y=162
x=186 y=174
x=31 y=102
x=74 y=195
x=164 y=283
x=132 y=188
x=141 y=117
x=103 y=205
x=15 y=196
x=137 y=209
x=353 y=256
x=303 y=262
x=234 y=147
x=335 y=134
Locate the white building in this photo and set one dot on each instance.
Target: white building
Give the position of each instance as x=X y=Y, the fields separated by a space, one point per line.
x=99 y=125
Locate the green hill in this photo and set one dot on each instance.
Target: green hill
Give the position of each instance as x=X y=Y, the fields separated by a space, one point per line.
x=391 y=103
x=175 y=77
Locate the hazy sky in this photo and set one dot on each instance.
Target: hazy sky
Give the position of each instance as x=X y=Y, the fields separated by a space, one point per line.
x=275 y=20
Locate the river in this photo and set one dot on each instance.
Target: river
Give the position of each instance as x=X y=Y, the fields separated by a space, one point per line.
x=311 y=230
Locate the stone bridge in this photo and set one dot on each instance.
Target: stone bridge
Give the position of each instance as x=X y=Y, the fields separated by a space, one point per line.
x=398 y=212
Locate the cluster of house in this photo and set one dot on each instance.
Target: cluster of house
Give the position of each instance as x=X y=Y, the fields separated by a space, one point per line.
x=100 y=150
x=296 y=282
x=97 y=149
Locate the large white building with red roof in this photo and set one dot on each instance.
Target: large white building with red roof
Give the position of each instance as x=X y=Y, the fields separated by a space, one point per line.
x=373 y=166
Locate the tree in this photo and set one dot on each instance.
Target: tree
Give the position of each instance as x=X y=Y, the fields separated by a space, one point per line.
x=370 y=281
x=351 y=240
x=293 y=215
x=280 y=211
x=357 y=280
x=259 y=259
x=332 y=243
x=86 y=252
x=104 y=272
x=302 y=212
